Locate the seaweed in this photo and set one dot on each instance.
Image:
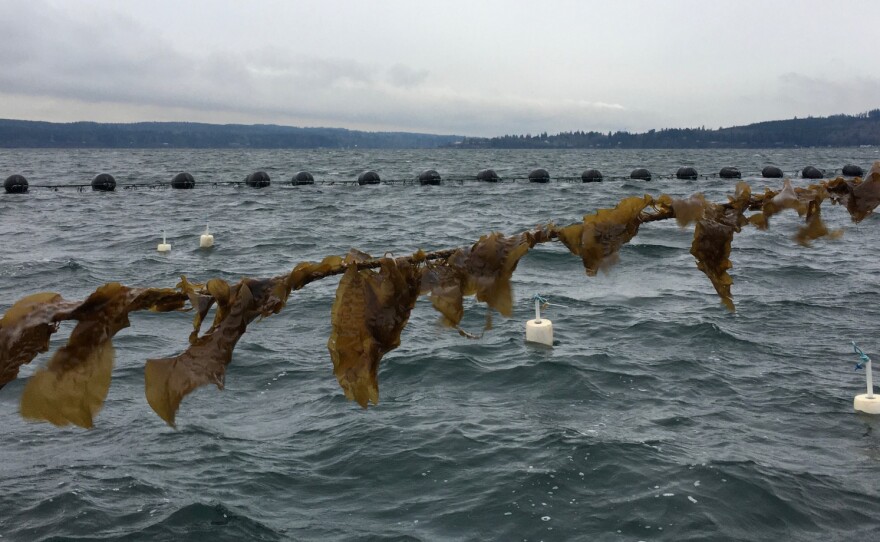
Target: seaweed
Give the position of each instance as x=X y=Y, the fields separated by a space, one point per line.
x=483 y=270
x=713 y=236
x=73 y=385
x=859 y=196
x=369 y=313
x=167 y=381
x=599 y=238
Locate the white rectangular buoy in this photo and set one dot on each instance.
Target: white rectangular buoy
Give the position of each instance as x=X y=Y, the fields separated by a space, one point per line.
x=206 y=240
x=539 y=330
x=164 y=246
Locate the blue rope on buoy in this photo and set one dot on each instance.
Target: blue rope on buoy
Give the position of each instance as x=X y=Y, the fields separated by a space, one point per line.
x=863 y=357
x=545 y=302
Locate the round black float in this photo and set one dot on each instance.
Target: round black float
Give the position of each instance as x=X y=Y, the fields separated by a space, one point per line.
x=15 y=184
x=730 y=173
x=369 y=177
x=303 y=177
x=539 y=175
x=258 y=179
x=641 y=174
x=686 y=173
x=429 y=176
x=851 y=170
x=488 y=175
x=771 y=172
x=591 y=176
x=104 y=182
x=810 y=172
x=183 y=181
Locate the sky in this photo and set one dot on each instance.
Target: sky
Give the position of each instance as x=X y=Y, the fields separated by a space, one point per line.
x=474 y=68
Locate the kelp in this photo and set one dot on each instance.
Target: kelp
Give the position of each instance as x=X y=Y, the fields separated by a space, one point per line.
x=369 y=313
x=599 y=238
x=483 y=270
x=374 y=299
x=713 y=236
x=690 y=210
x=167 y=381
x=73 y=385
x=860 y=196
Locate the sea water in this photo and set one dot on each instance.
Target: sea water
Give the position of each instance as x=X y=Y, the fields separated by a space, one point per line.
x=658 y=415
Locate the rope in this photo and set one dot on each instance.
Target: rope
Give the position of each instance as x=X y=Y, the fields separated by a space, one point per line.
x=460 y=179
x=863 y=358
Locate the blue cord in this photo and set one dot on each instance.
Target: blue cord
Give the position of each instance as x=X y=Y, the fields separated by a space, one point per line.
x=862 y=356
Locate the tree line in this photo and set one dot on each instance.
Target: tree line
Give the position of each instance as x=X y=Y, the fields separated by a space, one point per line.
x=832 y=131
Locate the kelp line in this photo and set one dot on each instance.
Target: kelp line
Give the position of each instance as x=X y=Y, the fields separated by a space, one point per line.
x=374 y=297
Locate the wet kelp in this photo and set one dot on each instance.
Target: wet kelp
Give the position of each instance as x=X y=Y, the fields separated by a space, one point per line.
x=368 y=316
x=374 y=298
x=73 y=385
x=599 y=238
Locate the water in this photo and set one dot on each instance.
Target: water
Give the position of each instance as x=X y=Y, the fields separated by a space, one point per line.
x=657 y=416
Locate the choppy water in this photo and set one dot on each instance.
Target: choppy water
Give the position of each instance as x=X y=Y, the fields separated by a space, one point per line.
x=657 y=416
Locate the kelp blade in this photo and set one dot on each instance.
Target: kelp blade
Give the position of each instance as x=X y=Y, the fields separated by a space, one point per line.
x=368 y=315
x=72 y=396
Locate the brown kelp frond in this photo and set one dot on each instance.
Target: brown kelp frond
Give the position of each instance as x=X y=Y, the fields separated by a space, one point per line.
x=814 y=227
x=306 y=272
x=687 y=211
x=25 y=330
x=860 y=196
x=169 y=380
x=483 y=270
x=369 y=313
x=598 y=240
x=489 y=265
x=443 y=284
x=713 y=236
x=73 y=385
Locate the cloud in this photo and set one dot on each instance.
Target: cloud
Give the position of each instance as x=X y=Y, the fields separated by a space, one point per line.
x=96 y=58
x=406 y=77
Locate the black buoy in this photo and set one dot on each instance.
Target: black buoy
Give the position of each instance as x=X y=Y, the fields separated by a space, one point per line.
x=488 y=175
x=301 y=178
x=810 y=172
x=730 y=173
x=183 y=180
x=686 y=173
x=429 y=176
x=258 y=179
x=851 y=170
x=539 y=175
x=771 y=172
x=641 y=174
x=591 y=176
x=369 y=177
x=15 y=184
x=104 y=182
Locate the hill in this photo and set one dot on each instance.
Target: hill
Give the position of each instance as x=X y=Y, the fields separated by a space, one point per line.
x=833 y=131
x=23 y=134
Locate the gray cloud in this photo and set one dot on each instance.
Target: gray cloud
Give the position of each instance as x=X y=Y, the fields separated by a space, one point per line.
x=404 y=76
x=99 y=60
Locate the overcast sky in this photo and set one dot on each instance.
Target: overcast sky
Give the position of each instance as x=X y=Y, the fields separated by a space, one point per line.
x=455 y=67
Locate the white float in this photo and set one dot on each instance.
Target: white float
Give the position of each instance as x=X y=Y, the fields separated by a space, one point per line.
x=539 y=330
x=866 y=402
x=164 y=246
x=206 y=240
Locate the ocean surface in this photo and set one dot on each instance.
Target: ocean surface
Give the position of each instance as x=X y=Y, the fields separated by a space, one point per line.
x=657 y=415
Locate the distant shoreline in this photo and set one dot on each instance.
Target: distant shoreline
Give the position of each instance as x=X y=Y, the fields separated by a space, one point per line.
x=837 y=131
